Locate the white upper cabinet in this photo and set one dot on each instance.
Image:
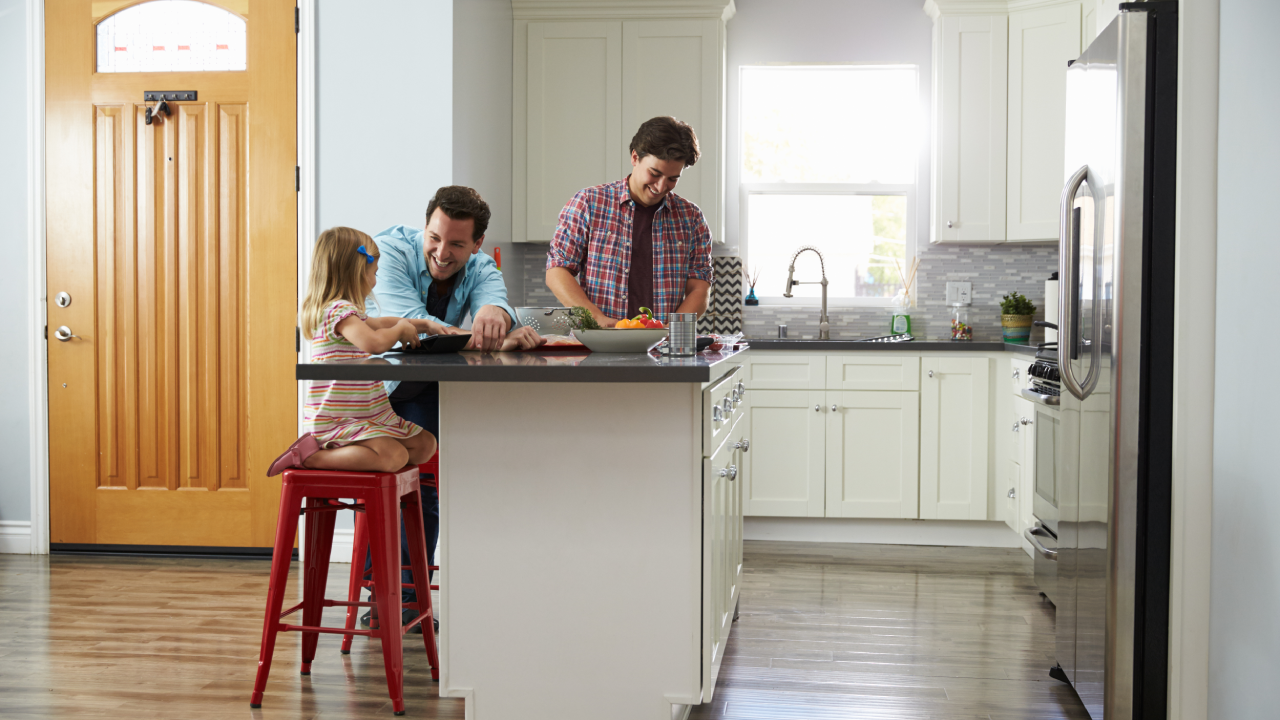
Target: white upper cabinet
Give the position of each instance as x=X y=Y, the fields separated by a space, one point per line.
x=673 y=67
x=585 y=76
x=969 y=94
x=999 y=126
x=574 y=115
x=1041 y=43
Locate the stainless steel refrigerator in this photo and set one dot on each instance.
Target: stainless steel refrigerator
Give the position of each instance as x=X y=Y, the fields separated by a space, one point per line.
x=1113 y=445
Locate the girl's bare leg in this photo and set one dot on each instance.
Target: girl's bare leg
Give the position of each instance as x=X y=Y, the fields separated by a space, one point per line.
x=373 y=455
x=421 y=447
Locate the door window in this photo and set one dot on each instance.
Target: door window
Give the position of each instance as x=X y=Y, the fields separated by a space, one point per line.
x=171 y=36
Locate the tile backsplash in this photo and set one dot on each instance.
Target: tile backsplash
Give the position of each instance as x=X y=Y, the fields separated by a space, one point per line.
x=994 y=271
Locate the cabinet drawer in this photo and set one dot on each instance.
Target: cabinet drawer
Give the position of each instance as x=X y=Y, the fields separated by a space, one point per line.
x=863 y=372
x=721 y=407
x=1018 y=377
x=785 y=371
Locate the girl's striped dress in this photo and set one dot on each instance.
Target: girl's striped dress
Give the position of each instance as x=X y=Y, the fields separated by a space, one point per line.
x=340 y=412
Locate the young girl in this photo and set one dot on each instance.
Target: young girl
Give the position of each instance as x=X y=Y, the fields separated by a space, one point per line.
x=350 y=425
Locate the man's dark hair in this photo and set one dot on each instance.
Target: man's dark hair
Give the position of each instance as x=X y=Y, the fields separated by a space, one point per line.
x=667 y=139
x=461 y=203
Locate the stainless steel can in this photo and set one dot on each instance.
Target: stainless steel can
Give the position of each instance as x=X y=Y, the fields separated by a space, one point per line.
x=682 y=337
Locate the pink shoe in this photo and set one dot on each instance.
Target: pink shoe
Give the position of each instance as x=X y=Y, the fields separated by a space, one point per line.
x=302 y=448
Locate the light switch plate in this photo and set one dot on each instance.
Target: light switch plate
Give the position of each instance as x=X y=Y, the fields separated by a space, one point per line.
x=959 y=292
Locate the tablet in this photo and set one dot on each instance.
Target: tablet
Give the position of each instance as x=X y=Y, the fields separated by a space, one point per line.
x=435 y=344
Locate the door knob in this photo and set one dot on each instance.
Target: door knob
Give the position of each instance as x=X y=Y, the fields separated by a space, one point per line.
x=64 y=333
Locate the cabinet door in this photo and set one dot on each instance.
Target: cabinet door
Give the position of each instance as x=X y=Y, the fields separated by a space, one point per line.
x=954 y=414
x=781 y=370
x=573 y=116
x=718 y=478
x=782 y=475
x=873 y=441
x=872 y=371
x=970 y=99
x=672 y=67
x=1041 y=42
x=1011 y=479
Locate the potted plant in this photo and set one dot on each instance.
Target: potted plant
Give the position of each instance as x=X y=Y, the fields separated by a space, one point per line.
x=1016 y=312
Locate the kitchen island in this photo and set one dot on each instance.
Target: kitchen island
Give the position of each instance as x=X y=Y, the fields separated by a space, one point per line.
x=590 y=527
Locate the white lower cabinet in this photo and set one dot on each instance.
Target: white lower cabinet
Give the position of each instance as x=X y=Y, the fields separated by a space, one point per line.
x=954 y=415
x=782 y=474
x=889 y=436
x=872 y=449
x=721 y=551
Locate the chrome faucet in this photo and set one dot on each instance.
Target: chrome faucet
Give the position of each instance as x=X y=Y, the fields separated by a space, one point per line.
x=824 y=326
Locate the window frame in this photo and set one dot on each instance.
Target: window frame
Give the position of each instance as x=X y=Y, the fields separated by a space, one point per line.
x=745 y=189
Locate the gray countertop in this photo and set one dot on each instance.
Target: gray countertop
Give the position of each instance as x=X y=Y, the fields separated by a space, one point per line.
x=910 y=346
x=597 y=367
x=522 y=367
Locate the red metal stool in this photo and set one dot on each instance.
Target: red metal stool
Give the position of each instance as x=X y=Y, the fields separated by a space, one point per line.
x=360 y=578
x=379 y=499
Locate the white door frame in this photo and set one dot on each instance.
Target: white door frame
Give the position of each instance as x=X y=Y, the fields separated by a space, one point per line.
x=37 y=352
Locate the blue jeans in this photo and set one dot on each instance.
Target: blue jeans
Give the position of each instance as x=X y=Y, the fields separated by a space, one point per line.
x=419 y=403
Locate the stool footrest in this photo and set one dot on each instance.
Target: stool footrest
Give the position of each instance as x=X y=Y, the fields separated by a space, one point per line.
x=331 y=630
x=290 y=611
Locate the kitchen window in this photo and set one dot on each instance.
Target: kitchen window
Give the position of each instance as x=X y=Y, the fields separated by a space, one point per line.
x=828 y=159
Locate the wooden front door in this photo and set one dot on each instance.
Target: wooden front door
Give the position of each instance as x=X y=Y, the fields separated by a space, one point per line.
x=176 y=243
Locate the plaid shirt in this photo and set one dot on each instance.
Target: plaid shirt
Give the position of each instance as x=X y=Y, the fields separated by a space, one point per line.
x=593 y=240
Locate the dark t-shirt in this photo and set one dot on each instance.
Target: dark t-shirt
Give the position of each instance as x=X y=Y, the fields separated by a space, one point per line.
x=438 y=302
x=640 y=281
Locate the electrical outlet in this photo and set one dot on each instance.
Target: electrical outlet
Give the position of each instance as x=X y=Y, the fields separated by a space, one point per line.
x=959 y=292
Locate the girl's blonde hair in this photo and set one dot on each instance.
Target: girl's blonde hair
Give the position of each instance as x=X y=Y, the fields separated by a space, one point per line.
x=337 y=273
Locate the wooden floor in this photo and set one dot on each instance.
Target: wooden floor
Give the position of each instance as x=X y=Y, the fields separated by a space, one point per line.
x=826 y=632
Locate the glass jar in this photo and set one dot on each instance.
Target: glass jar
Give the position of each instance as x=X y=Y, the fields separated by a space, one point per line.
x=960 y=327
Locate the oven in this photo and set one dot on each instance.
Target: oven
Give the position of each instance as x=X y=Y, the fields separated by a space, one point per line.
x=1043 y=391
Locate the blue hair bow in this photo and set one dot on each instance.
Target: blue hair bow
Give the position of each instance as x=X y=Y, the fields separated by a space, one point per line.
x=367 y=257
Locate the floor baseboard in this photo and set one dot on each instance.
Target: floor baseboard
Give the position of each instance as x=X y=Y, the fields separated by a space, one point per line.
x=953 y=533
x=15 y=537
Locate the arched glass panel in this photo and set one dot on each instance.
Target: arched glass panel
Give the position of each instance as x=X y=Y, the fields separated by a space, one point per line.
x=171 y=36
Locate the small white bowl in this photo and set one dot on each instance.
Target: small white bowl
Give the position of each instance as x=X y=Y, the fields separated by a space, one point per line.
x=613 y=340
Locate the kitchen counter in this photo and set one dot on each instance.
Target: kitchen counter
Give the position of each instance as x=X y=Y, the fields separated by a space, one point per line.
x=910 y=346
x=537 y=367
x=590 y=527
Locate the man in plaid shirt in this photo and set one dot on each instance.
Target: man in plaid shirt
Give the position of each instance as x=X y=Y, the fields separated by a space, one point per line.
x=634 y=243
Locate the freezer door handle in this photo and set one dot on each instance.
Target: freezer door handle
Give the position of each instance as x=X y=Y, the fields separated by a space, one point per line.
x=1031 y=533
x=1068 y=303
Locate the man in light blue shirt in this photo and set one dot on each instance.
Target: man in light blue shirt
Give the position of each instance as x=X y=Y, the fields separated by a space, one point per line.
x=439 y=273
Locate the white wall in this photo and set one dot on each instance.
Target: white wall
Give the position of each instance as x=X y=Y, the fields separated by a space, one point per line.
x=385 y=97
x=1244 y=624
x=825 y=31
x=482 y=121
x=15 y=435
x=384 y=115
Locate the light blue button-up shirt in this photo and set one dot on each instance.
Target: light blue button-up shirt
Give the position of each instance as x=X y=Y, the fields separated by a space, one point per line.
x=404 y=281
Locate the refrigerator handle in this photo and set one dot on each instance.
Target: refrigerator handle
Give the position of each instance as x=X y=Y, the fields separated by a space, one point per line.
x=1068 y=304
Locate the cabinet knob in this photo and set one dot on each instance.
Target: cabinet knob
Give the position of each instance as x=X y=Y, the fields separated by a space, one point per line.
x=1015 y=427
x=1025 y=421
x=743 y=445
x=833 y=407
x=817 y=408
x=730 y=472
x=930 y=373
x=949 y=223
x=1015 y=374
x=715 y=413
x=1013 y=492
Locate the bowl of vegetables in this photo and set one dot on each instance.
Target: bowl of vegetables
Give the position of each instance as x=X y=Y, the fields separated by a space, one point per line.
x=633 y=335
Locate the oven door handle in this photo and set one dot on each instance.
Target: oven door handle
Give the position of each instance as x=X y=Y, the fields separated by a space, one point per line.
x=1030 y=534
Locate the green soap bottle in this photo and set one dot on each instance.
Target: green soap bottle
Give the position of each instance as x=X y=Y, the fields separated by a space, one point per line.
x=900 y=324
